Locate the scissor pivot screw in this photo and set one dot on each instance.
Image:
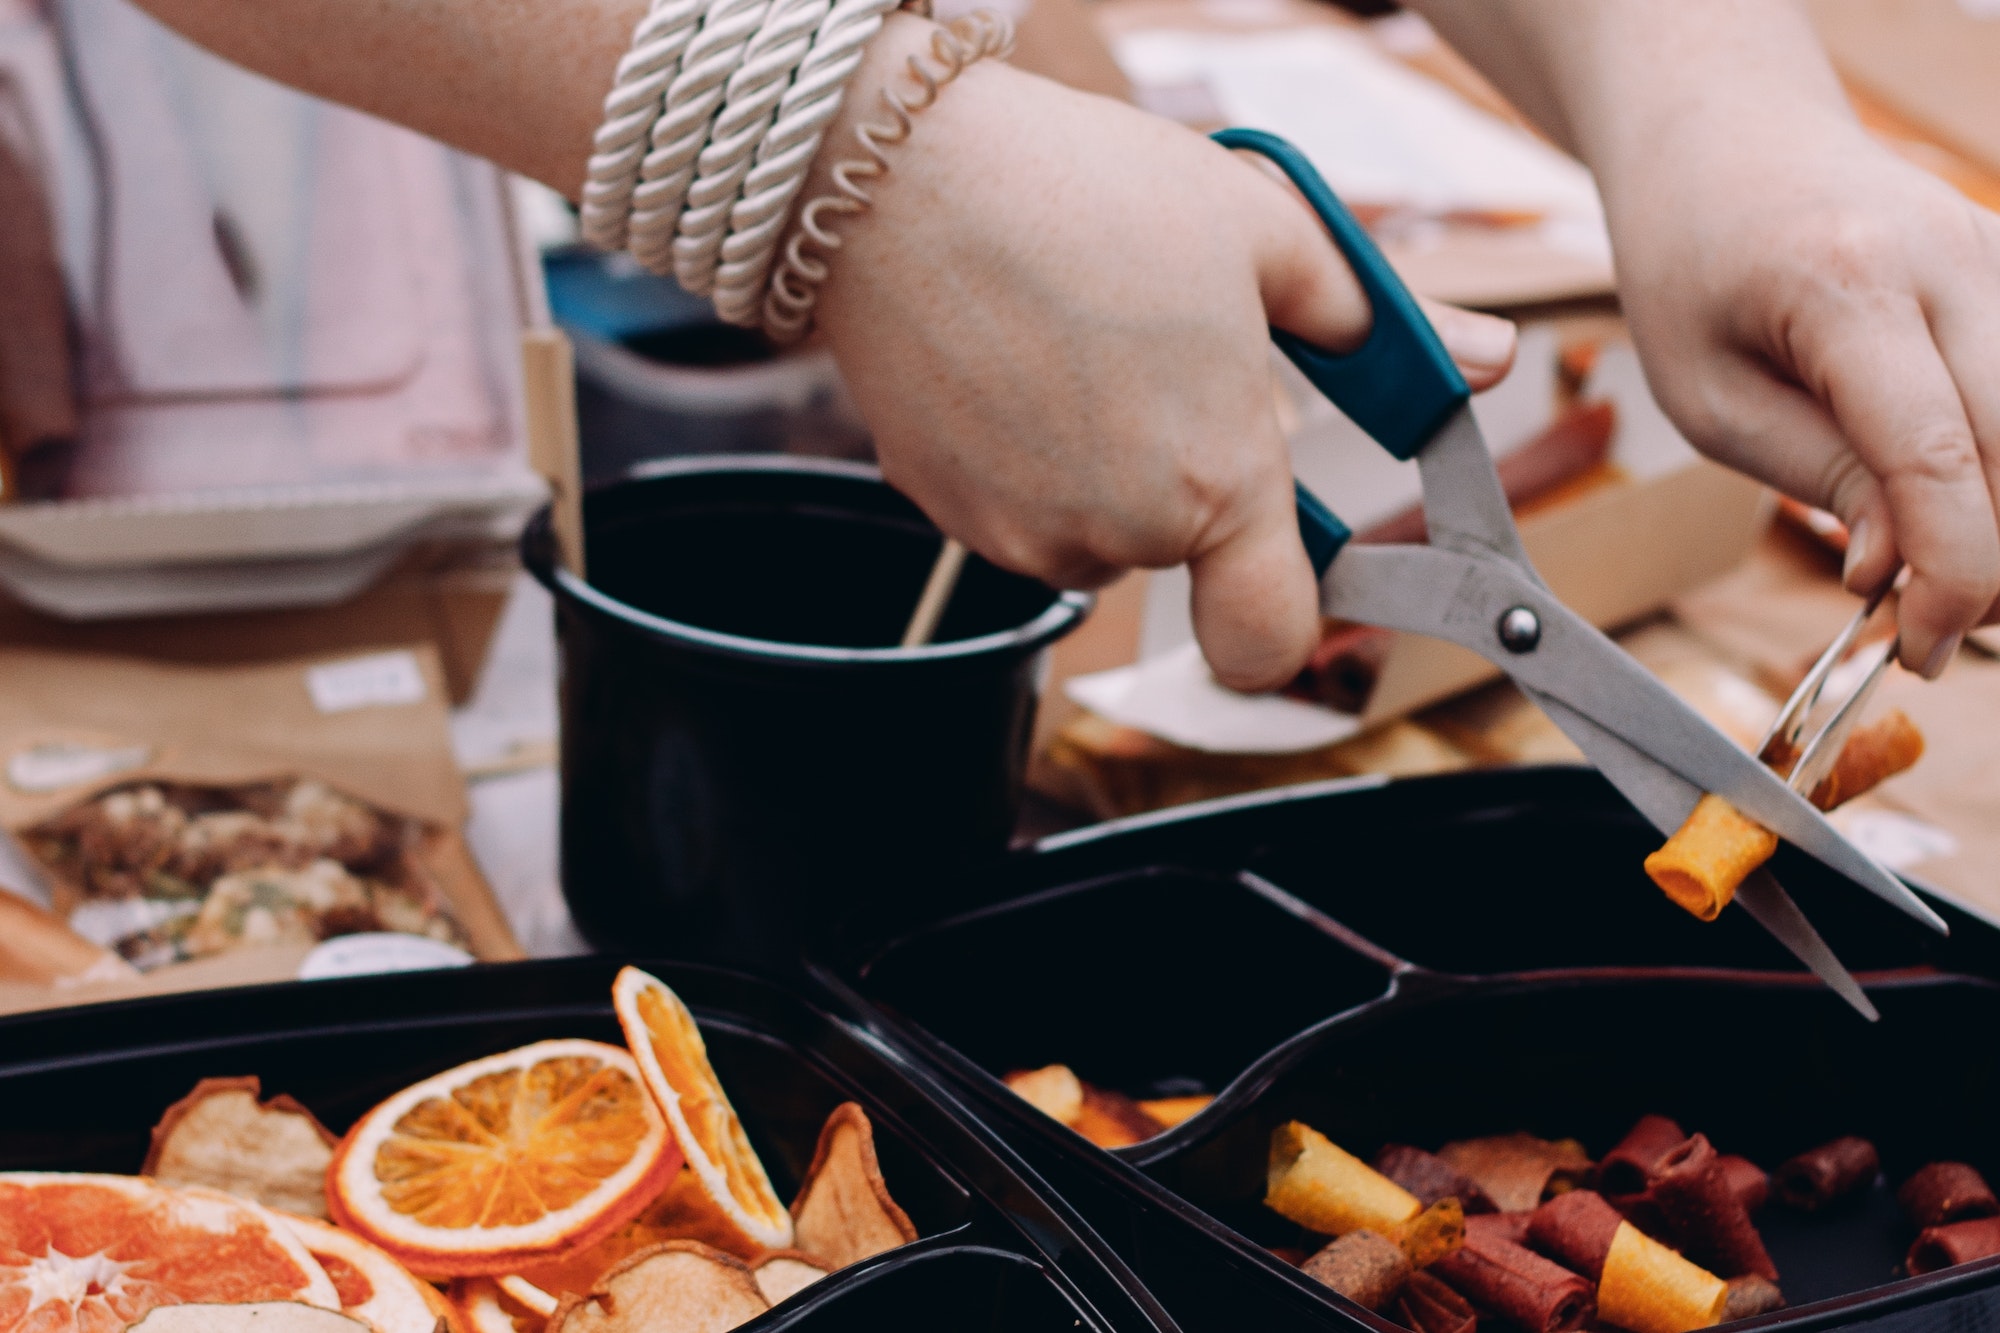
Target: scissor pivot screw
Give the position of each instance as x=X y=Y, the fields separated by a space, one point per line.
x=1520 y=629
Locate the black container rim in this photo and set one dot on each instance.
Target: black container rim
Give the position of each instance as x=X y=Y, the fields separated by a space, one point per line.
x=538 y=554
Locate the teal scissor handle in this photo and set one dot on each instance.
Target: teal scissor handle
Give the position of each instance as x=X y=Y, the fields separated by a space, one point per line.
x=1400 y=385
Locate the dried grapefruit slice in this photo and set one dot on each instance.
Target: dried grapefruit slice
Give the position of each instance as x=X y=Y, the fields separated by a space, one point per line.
x=727 y=1182
x=372 y=1286
x=92 y=1254
x=505 y=1160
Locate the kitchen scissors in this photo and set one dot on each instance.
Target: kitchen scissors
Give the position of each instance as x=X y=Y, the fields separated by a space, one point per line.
x=1474 y=585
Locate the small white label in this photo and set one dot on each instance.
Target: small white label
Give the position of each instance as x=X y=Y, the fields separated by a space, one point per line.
x=54 y=765
x=366 y=682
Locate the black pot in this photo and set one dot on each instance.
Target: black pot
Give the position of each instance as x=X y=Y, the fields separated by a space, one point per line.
x=745 y=753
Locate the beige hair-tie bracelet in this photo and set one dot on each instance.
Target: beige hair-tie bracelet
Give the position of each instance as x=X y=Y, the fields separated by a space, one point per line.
x=794 y=286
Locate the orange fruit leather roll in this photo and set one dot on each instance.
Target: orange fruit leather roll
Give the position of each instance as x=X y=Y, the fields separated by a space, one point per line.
x=1641 y=1284
x=1324 y=1188
x=1701 y=866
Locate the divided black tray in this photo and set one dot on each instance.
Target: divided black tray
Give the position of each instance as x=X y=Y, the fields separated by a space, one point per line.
x=1427 y=960
x=80 y=1089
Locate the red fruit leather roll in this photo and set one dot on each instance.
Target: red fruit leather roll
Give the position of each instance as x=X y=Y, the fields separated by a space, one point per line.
x=1747 y=1181
x=1957 y=1243
x=1624 y=1169
x=1640 y=1210
x=1429 y=1306
x=1576 y=1228
x=1704 y=1215
x=1946 y=1192
x=1518 y=1285
x=1431 y=1178
x=1814 y=1179
x=1510 y=1227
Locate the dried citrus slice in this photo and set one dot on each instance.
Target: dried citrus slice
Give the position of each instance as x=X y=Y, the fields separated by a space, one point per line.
x=92 y=1254
x=505 y=1160
x=727 y=1179
x=486 y=1307
x=372 y=1286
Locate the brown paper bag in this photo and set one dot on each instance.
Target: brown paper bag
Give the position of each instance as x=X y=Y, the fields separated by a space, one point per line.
x=322 y=792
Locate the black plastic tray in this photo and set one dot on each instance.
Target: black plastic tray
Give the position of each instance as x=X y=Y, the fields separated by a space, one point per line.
x=1428 y=960
x=79 y=1090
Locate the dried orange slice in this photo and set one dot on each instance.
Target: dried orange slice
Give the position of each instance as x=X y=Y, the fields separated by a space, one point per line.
x=372 y=1286
x=92 y=1254
x=727 y=1182
x=505 y=1160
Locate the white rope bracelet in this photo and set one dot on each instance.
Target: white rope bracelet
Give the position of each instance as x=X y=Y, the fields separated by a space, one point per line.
x=749 y=104
x=682 y=130
x=710 y=130
x=785 y=156
x=630 y=109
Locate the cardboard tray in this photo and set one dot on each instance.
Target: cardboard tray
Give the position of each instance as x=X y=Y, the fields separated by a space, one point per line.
x=1426 y=960
x=80 y=1089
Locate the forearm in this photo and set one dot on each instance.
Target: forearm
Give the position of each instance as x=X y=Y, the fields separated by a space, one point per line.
x=519 y=81
x=1618 y=81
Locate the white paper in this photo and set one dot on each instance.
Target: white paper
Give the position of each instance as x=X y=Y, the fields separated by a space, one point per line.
x=378 y=951
x=1175 y=697
x=1896 y=840
x=1379 y=132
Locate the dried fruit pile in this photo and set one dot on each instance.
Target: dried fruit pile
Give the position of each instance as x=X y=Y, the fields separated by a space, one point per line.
x=568 y=1186
x=168 y=871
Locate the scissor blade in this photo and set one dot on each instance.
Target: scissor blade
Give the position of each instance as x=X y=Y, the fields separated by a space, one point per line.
x=1665 y=798
x=1465 y=506
x=1461 y=597
x=1766 y=900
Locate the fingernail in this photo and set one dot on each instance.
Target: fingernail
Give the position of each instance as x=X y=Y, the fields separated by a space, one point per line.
x=1941 y=656
x=1482 y=341
x=1858 y=550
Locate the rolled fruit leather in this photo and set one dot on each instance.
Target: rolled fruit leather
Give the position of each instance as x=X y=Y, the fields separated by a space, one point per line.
x=1650 y=1288
x=1324 y=1188
x=1957 y=1243
x=1705 y=861
x=1431 y=1178
x=1704 y=1215
x=1946 y=1192
x=1365 y=1266
x=1510 y=1227
x=1751 y=1295
x=1518 y=1285
x=1518 y=1170
x=1821 y=1175
x=1747 y=1181
x=1428 y=1305
x=1625 y=1168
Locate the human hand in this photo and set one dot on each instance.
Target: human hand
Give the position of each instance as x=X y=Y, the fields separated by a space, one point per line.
x=1054 y=320
x=1820 y=314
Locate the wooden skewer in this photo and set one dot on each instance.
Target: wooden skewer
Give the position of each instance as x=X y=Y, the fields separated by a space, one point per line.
x=937 y=595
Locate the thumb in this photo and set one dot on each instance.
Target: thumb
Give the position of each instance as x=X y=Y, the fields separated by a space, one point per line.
x=1255 y=604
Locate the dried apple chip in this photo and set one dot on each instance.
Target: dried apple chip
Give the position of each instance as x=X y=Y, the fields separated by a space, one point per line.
x=253 y=1317
x=222 y=1136
x=844 y=1213
x=679 y=1286
x=784 y=1273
